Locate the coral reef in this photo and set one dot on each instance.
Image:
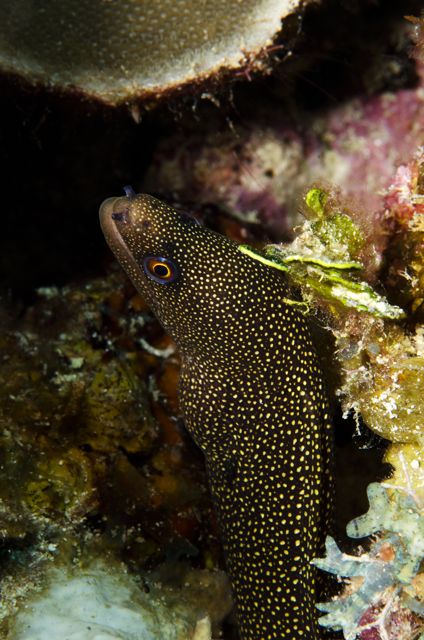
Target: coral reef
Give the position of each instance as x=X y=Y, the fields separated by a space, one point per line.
x=404 y=220
x=102 y=600
x=418 y=51
x=259 y=169
x=385 y=591
x=384 y=373
x=154 y=51
x=382 y=369
x=382 y=365
x=93 y=459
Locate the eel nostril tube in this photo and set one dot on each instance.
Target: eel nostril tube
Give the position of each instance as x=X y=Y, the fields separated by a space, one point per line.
x=129 y=191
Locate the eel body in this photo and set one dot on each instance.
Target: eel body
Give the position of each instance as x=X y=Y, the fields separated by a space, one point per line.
x=252 y=397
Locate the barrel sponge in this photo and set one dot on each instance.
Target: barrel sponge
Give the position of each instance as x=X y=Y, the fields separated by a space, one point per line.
x=123 y=50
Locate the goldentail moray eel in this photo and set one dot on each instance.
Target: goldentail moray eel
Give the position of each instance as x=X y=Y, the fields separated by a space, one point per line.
x=252 y=397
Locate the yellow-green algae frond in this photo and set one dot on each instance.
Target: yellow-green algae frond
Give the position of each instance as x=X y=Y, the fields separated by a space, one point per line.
x=323 y=261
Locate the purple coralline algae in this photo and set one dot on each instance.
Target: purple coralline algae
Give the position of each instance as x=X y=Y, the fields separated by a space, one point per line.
x=261 y=173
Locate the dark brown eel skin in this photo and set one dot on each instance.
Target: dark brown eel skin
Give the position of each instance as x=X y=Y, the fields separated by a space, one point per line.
x=252 y=396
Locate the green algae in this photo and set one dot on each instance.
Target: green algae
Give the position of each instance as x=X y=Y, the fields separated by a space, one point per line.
x=323 y=262
x=315 y=200
x=333 y=228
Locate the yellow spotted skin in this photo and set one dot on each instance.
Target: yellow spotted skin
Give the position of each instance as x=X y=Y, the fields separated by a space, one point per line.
x=252 y=396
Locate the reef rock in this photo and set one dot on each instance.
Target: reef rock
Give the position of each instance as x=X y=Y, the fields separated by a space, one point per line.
x=119 y=51
x=101 y=601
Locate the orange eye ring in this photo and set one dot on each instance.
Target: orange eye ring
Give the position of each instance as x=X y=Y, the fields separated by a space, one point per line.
x=160 y=269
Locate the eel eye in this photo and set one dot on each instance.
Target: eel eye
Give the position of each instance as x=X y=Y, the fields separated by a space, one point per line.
x=162 y=270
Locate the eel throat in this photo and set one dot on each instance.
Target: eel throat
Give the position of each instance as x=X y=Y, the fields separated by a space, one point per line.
x=252 y=397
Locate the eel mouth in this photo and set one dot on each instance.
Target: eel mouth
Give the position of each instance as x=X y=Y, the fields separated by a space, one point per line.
x=112 y=210
x=115 y=218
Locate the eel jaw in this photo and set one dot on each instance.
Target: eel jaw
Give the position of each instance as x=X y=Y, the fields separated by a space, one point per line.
x=113 y=212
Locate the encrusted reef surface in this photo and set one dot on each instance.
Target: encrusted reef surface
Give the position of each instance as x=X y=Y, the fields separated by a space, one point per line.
x=91 y=469
x=259 y=170
x=136 y=49
x=382 y=367
x=104 y=508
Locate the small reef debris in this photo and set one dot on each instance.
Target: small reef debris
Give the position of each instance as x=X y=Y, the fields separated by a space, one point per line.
x=385 y=591
x=134 y=50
